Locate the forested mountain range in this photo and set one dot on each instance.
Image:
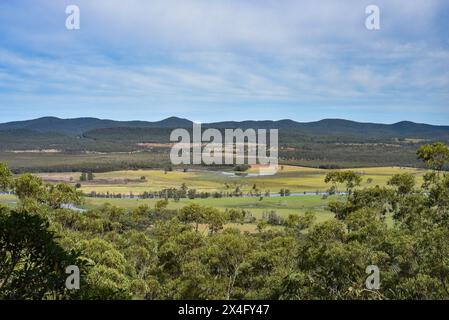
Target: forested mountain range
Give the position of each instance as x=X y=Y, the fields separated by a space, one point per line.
x=326 y=127
x=329 y=142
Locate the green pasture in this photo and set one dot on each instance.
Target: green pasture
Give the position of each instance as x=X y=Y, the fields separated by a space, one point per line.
x=283 y=206
x=296 y=179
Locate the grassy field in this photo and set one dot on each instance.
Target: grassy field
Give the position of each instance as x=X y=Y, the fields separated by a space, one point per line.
x=7 y=199
x=283 y=206
x=296 y=179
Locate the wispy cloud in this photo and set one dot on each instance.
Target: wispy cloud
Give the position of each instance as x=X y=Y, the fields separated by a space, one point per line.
x=216 y=60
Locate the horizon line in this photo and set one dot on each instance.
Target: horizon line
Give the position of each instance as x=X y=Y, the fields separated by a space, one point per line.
x=211 y=122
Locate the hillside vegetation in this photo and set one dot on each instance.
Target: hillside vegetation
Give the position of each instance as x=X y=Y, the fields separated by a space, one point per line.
x=197 y=251
x=328 y=143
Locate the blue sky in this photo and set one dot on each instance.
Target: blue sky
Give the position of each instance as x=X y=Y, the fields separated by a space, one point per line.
x=225 y=60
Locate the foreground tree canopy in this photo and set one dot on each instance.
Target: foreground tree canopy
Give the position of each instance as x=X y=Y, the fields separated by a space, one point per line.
x=159 y=253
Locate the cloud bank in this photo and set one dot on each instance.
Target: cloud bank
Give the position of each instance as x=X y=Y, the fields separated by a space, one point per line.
x=225 y=60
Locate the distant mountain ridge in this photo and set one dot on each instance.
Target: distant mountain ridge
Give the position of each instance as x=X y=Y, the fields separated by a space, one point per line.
x=81 y=125
x=329 y=143
x=329 y=127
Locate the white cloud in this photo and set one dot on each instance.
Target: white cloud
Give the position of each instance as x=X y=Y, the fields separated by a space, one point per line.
x=176 y=51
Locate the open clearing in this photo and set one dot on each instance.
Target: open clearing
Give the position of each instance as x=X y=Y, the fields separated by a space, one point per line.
x=283 y=206
x=296 y=179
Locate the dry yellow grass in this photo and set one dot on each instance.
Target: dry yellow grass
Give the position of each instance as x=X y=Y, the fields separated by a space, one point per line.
x=296 y=179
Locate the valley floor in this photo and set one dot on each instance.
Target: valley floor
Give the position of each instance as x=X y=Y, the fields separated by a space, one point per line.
x=295 y=179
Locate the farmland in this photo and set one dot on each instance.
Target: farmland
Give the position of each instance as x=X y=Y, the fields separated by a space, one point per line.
x=283 y=206
x=154 y=229
x=296 y=179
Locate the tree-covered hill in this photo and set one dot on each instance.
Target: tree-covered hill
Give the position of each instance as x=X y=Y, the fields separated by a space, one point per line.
x=329 y=143
x=326 y=127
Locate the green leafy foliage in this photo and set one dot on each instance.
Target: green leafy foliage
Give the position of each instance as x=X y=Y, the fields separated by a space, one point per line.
x=32 y=263
x=194 y=253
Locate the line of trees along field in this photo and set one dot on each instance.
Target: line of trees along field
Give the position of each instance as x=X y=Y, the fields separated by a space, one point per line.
x=157 y=253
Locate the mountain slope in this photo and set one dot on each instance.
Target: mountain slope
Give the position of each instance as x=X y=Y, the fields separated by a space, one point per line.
x=33 y=145
x=81 y=125
x=326 y=127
